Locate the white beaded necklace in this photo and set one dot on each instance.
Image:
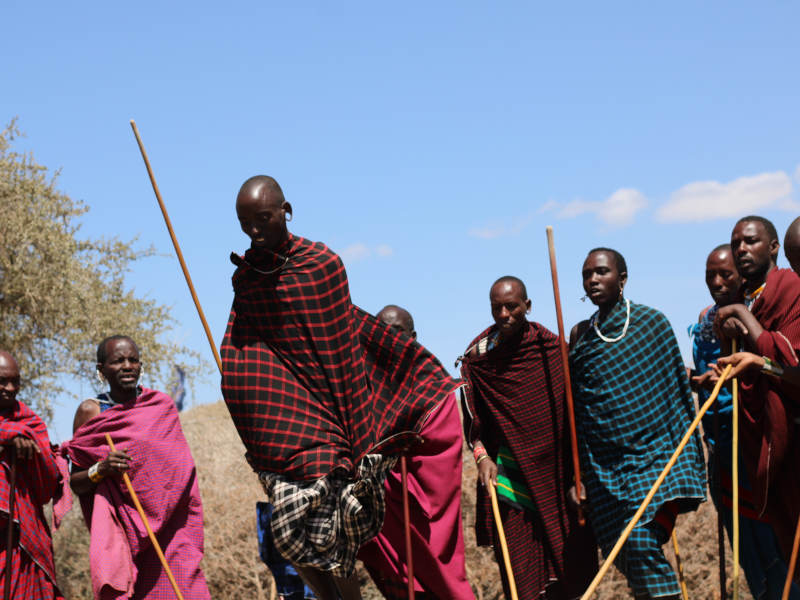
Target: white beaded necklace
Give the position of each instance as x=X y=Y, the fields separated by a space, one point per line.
x=624 y=329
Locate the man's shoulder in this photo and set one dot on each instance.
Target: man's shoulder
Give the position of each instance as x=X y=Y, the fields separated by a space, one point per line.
x=643 y=311
x=783 y=279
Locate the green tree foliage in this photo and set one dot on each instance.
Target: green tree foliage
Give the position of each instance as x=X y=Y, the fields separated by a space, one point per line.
x=60 y=294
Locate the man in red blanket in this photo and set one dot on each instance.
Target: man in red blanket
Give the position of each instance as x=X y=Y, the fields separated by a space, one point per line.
x=151 y=448
x=514 y=419
x=434 y=490
x=33 y=575
x=767 y=322
x=321 y=424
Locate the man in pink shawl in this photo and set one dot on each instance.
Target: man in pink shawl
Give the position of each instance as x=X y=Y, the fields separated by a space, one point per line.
x=434 y=490
x=151 y=448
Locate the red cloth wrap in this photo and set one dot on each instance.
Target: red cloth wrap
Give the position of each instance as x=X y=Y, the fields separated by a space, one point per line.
x=312 y=382
x=515 y=397
x=123 y=561
x=769 y=430
x=37 y=482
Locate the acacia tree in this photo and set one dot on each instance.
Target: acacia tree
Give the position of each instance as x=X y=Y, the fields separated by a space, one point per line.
x=60 y=293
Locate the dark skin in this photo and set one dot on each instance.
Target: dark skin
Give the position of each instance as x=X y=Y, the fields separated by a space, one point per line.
x=755 y=253
x=723 y=281
x=398 y=318
x=262 y=211
x=509 y=307
x=791 y=245
x=121 y=369
x=25 y=448
x=603 y=283
x=748 y=362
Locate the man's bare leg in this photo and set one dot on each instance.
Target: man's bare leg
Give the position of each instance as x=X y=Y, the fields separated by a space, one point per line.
x=320 y=582
x=349 y=587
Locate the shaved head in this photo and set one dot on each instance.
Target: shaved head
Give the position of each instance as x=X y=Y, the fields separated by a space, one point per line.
x=6 y=358
x=791 y=245
x=262 y=186
x=9 y=380
x=398 y=318
x=262 y=211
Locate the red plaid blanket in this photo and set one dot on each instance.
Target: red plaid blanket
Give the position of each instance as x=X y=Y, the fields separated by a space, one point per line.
x=515 y=397
x=37 y=481
x=311 y=381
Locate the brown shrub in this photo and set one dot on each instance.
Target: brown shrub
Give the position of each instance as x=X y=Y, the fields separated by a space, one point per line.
x=235 y=572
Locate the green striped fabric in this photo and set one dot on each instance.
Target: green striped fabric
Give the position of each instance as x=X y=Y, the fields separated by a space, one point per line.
x=510 y=483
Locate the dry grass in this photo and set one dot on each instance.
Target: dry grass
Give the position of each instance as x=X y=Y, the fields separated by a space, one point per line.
x=232 y=565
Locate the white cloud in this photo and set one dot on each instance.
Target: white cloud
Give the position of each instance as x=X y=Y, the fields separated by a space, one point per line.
x=359 y=251
x=797 y=174
x=496 y=230
x=706 y=200
x=619 y=209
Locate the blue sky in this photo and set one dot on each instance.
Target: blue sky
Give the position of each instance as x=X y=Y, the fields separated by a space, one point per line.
x=429 y=144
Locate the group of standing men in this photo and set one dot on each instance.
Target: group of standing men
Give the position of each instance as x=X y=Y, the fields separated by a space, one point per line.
x=150 y=448
x=326 y=398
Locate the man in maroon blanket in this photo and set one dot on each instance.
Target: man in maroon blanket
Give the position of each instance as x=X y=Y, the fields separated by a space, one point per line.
x=33 y=574
x=434 y=490
x=767 y=323
x=151 y=448
x=514 y=419
x=321 y=426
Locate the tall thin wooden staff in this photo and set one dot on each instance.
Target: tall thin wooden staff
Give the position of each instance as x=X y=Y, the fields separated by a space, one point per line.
x=12 y=492
x=640 y=511
x=576 y=466
x=679 y=563
x=150 y=533
x=735 y=482
x=787 y=585
x=512 y=585
x=717 y=475
x=178 y=252
x=176 y=246
x=407 y=522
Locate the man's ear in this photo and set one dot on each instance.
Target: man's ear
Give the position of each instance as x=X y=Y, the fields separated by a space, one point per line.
x=623 y=279
x=528 y=305
x=413 y=335
x=287 y=208
x=774 y=247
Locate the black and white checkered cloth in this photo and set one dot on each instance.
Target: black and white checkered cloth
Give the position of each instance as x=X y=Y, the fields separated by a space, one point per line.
x=323 y=523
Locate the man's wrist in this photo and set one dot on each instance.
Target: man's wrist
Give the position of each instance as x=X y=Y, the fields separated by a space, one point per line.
x=771 y=367
x=94 y=474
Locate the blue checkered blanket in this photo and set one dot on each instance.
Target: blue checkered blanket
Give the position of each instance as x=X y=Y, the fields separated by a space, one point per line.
x=633 y=405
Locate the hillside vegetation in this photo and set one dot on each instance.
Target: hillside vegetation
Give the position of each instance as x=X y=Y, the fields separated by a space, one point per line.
x=234 y=571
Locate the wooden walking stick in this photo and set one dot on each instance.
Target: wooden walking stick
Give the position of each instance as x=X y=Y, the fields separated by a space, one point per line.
x=679 y=562
x=176 y=245
x=787 y=586
x=150 y=533
x=735 y=478
x=407 y=523
x=512 y=586
x=670 y=463
x=12 y=490
x=717 y=480
x=576 y=466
